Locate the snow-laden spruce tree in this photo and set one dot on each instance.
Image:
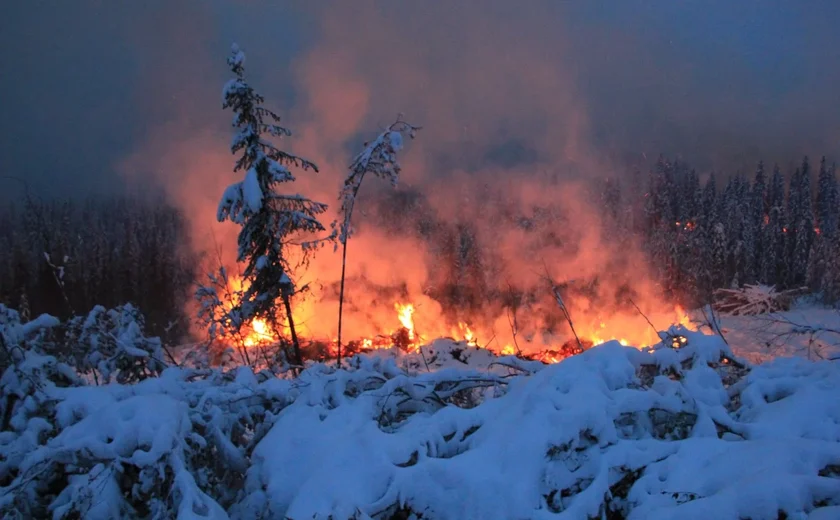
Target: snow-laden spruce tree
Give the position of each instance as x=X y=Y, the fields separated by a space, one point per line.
x=379 y=158
x=272 y=223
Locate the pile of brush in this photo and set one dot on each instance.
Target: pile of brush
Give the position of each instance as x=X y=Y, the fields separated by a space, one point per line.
x=751 y=300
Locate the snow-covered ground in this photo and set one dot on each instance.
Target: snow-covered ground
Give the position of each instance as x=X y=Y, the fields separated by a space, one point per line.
x=810 y=332
x=456 y=433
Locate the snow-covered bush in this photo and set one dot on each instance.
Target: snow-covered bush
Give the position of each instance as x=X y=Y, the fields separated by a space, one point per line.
x=175 y=446
x=109 y=344
x=30 y=381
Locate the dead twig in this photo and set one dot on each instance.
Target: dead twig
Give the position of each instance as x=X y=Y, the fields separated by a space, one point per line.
x=560 y=303
x=514 y=325
x=655 y=330
x=714 y=323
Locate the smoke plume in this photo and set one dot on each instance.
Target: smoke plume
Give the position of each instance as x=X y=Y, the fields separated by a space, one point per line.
x=494 y=196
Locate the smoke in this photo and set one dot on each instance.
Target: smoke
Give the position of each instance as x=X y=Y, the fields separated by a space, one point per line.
x=493 y=197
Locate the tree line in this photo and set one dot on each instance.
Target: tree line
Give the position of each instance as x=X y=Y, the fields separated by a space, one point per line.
x=773 y=228
x=63 y=257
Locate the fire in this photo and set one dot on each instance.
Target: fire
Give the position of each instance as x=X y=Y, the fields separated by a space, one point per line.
x=401 y=330
x=465 y=332
x=508 y=350
x=260 y=333
x=405 y=313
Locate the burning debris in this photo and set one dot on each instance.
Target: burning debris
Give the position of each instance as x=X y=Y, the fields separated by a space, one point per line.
x=406 y=327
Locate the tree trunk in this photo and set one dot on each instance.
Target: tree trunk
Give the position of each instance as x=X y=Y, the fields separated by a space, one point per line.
x=344 y=239
x=341 y=299
x=295 y=344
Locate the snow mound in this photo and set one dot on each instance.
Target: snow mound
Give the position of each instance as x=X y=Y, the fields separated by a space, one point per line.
x=683 y=430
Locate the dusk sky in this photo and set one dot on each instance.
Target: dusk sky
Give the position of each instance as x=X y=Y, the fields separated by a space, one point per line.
x=88 y=87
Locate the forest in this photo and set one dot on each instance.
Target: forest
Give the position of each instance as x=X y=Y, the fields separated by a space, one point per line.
x=774 y=228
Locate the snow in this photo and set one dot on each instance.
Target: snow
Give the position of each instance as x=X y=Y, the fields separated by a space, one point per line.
x=456 y=433
x=809 y=332
x=231 y=203
x=279 y=173
x=395 y=140
x=237 y=56
x=251 y=191
x=552 y=431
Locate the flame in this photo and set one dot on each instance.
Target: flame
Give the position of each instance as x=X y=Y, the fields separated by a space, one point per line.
x=260 y=333
x=630 y=328
x=405 y=313
x=465 y=332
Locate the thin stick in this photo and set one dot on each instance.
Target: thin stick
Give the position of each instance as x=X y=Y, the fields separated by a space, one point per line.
x=713 y=323
x=559 y=299
x=488 y=343
x=419 y=339
x=344 y=238
x=655 y=330
x=514 y=328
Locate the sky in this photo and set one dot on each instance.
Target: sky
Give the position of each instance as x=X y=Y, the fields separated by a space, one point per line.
x=101 y=95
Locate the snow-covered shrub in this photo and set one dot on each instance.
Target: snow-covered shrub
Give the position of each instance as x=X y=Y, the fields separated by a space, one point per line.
x=110 y=345
x=175 y=446
x=614 y=433
x=30 y=383
x=127 y=458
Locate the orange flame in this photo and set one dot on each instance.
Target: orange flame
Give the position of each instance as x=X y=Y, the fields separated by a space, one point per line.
x=260 y=334
x=627 y=329
x=405 y=314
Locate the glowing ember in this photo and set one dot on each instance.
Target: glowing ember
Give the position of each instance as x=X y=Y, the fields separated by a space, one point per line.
x=678 y=342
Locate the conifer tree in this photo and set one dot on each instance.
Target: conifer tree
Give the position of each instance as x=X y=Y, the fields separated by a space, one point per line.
x=804 y=226
x=270 y=220
x=830 y=277
x=774 y=238
x=706 y=276
x=827 y=200
x=755 y=224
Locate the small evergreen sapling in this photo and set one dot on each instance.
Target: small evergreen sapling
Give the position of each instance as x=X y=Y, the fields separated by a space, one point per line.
x=379 y=158
x=271 y=222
